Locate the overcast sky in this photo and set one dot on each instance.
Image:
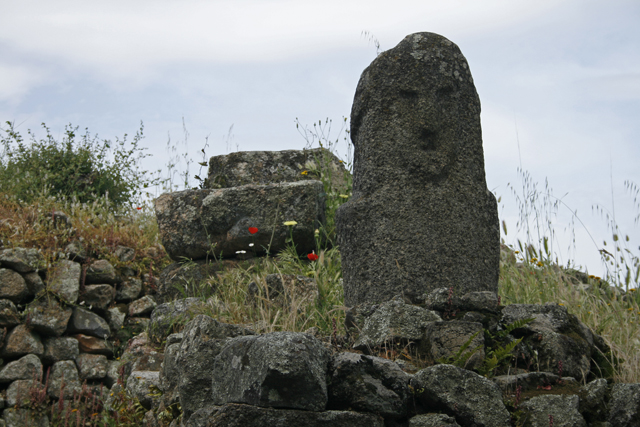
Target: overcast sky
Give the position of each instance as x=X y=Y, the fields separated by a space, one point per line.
x=559 y=82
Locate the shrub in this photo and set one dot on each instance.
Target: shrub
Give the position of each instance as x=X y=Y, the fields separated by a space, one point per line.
x=78 y=166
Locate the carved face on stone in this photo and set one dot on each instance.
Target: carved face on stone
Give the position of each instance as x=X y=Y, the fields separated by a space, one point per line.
x=408 y=108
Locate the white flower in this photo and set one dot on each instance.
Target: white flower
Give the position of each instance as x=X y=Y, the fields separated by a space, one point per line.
x=290 y=223
x=241 y=252
x=250 y=245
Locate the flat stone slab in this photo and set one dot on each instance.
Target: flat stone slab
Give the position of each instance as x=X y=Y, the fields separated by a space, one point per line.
x=270 y=167
x=215 y=223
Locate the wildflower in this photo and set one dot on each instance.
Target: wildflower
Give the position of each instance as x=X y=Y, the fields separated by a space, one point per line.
x=597 y=278
x=516 y=252
x=241 y=252
x=304 y=172
x=540 y=264
x=290 y=223
x=250 y=245
x=632 y=290
x=312 y=256
x=591 y=276
x=317 y=232
x=630 y=309
x=253 y=230
x=138 y=208
x=344 y=196
x=560 y=304
x=74 y=410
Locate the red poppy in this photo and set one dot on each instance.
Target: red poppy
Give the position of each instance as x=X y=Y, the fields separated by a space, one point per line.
x=138 y=208
x=312 y=257
x=253 y=230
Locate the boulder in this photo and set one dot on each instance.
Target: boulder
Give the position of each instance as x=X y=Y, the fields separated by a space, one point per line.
x=421 y=216
x=234 y=415
x=100 y=271
x=18 y=393
x=443 y=340
x=22 y=417
x=64 y=280
x=278 y=370
x=593 y=400
x=392 y=321
x=368 y=384
x=215 y=223
x=85 y=322
x=57 y=349
x=94 y=345
x=28 y=367
x=97 y=296
x=9 y=316
x=12 y=286
x=165 y=316
x=562 y=342
x=203 y=338
x=552 y=410
x=22 y=260
x=472 y=399
x=624 y=405
x=92 y=366
x=21 y=341
x=142 y=306
x=48 y=317
x=139 y=383
x=129 y=289
x=64 y=380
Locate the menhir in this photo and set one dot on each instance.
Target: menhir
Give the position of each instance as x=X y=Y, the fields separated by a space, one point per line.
x=421 y=216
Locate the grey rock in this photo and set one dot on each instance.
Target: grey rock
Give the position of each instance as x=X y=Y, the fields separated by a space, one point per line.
x=170 y=374
x=433 y=420
x=115 y=317
x=165 y=316
x=25 y=368
x=563 y=409
x=474 y=400
x=279 y=369
x=64 y=280
x=64 y=380
x=203 y=338
x=125 y=254
x=115 y=370
x=394 y=320
x=92 y=366
x=528 y=381
x=8 y=314
x=129 y=289
x=557 y=336
x=445 y=299
x=57 y=349
x=142 y=306
x=98 y=296
x=624 y=406
x=24 y=417
x=34 y=283
x=445 y=339
x=271 y=167
x=85 y=322
x=368 y=384
x=18 y=392
x=12 y=286
x=48 y=317
x=234 y=415
x=138 y=385
x=419 y=189
x=100 y=271
x=76 y=251
x=201 y=223
x=593 y=400
x=149 y=362
x=21 y=341
x=21 y=260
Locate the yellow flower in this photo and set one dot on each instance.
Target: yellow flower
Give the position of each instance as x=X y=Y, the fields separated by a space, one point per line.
x=344 y=196
x=290 y=223
x=560 y=304
x=540 y=264
x=74 y=410
x=304 y=172
x=632 y=289
x=630 y=309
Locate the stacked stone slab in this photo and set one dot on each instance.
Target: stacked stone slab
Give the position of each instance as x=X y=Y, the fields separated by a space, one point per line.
x=421 y=216
x=257 y=189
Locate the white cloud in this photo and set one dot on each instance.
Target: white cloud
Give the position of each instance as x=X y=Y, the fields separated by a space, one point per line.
x=16 y=81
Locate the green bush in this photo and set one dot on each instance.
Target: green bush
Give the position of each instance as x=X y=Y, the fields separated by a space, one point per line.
x=78 y=166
